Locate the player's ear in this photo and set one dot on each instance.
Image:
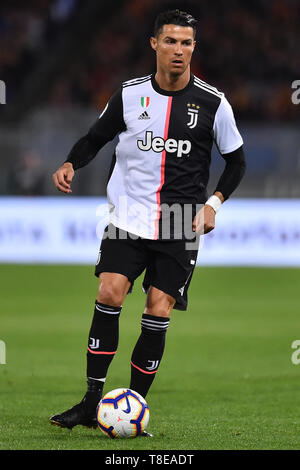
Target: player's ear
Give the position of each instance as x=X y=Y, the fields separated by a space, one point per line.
x=153 y=42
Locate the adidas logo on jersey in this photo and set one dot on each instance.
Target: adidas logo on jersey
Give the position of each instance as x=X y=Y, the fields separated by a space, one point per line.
x=144 y=115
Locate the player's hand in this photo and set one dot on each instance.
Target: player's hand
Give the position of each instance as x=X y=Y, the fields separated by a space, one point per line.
x=204 y=220
x=62 y=178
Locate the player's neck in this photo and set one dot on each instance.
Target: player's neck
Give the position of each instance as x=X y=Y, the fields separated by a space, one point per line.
x=170 y=82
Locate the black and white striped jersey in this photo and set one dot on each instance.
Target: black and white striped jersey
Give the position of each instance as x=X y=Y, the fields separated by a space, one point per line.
x=164 y=149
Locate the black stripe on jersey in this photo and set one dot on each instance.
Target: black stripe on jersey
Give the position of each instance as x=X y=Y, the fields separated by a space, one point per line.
x=136 y=82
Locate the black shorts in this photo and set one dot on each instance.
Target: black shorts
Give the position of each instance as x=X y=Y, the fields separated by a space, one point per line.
x=169 y=264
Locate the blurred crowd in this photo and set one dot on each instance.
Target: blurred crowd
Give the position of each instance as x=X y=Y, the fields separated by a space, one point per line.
x=247 y=49
x=27 y=32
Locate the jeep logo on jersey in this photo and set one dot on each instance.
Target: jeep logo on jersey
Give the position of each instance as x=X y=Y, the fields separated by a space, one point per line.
x=158 y=144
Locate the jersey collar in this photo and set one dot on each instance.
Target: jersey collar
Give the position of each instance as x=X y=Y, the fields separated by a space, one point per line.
x=167 y=92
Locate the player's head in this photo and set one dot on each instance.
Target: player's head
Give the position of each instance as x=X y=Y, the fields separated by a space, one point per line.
x=174 y=41
x=176 y=17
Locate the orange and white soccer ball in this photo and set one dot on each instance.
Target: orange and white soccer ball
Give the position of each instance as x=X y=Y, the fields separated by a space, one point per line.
x=122 y=413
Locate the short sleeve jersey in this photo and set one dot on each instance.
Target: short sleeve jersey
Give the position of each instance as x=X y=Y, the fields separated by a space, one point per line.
x=163 y=153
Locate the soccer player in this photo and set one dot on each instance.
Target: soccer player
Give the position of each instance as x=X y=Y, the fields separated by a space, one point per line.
x=166 y=124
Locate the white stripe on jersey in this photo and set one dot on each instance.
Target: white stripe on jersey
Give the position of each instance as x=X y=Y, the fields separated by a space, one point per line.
x=136 y=81
x=209 y=89
x=206 y=85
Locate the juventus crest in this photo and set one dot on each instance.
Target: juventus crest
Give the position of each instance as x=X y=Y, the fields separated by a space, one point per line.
x=94 y=344
x=193 y=111
x=153 y=365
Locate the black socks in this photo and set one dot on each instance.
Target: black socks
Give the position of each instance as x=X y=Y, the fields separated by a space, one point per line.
x=102 y=346
x=148 y=352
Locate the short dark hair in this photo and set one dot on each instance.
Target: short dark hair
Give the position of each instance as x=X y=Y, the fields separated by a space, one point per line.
x=177 y=17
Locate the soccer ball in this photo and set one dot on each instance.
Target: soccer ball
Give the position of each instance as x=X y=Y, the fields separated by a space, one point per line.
x=122 y=413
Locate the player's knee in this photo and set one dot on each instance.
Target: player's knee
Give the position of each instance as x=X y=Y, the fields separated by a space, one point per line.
x=110 y=294
x=159 y=304
x=158 y=311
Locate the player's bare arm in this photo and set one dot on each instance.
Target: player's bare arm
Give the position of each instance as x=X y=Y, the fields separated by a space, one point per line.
x=62 y=178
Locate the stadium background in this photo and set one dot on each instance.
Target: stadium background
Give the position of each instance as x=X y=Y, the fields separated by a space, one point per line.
x=60 y=61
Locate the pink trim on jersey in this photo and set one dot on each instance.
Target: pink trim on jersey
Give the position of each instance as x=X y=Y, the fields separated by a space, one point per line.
x=142 y=370
x=162 y=169
x=101 y=352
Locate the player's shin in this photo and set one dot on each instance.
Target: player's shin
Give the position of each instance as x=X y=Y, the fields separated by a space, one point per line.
x=148 y=352
x=102 y=346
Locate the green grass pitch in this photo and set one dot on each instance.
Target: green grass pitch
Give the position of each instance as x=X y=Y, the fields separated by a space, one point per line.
x=226 y=380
